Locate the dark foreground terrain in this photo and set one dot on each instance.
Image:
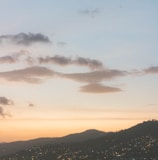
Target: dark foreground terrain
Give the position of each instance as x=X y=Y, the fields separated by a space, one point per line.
x=137 y=143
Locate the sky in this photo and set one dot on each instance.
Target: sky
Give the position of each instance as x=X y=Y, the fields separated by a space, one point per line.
x=68 y=66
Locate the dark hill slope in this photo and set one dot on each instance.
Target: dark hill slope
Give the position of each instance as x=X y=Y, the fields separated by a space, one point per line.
x=13 y=147
x=136 y=143
x=145 y=128
x=83 y=136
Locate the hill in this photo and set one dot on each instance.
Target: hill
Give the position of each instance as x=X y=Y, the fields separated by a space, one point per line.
x=83 y=136
x=13 y=147
x=139 y=142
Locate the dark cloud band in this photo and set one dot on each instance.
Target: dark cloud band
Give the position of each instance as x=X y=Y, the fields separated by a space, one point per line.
x=79 y=61
x=25 y=38
x=30 y=75
x=95 y=76
x=98 y=88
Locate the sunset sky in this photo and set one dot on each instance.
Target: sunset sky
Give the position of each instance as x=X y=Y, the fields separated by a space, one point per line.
x=71 y=65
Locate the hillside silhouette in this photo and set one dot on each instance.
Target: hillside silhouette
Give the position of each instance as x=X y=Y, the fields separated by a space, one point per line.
x=13 y=147
x=139 y=142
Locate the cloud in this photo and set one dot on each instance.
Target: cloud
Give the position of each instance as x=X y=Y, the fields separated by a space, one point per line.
x=143 y=72
x=61 y=44
x=31 y=105
x=60 y=60
x=13 y=58
x=3 y=114
x=25 y=38
x=21 y=53
x=7 y=59
x=91 y=63
x=152 y=104
x=36 y=74
x=94 y=76
x=57 y=60
x=30 y=60
x=91 y=12
x=30 y=75
x=151 y=70
x=79 y=61
x=98 y=88
x=6 y=101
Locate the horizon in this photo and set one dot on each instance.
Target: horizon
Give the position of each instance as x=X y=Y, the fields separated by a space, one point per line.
x=139 y=141
x=68 y=66
x=80 y=132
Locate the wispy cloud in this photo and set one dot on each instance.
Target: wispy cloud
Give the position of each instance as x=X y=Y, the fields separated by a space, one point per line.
x=31 y=105
x=61 y=44
x=93 y=79
x=152 y=104
x=30 y=60
x=30 y=75
x=63 y=61
x=6 y=101
x=94 y=76
x=98 y=88
x=7 y=59
x=60 y=60
x=83 y=119
x=151 y=70
x=37 y=74
x=13 y=58
x=3 y=114
x=91 y=63
x=90 y=12
x=25 y=38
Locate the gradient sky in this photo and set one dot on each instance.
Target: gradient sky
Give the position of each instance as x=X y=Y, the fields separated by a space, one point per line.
x=71 y=65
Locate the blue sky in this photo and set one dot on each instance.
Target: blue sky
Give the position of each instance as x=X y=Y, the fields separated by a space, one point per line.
x=78 y=63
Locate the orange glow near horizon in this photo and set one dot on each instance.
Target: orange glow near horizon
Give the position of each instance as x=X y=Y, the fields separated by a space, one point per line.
x=31 y=129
